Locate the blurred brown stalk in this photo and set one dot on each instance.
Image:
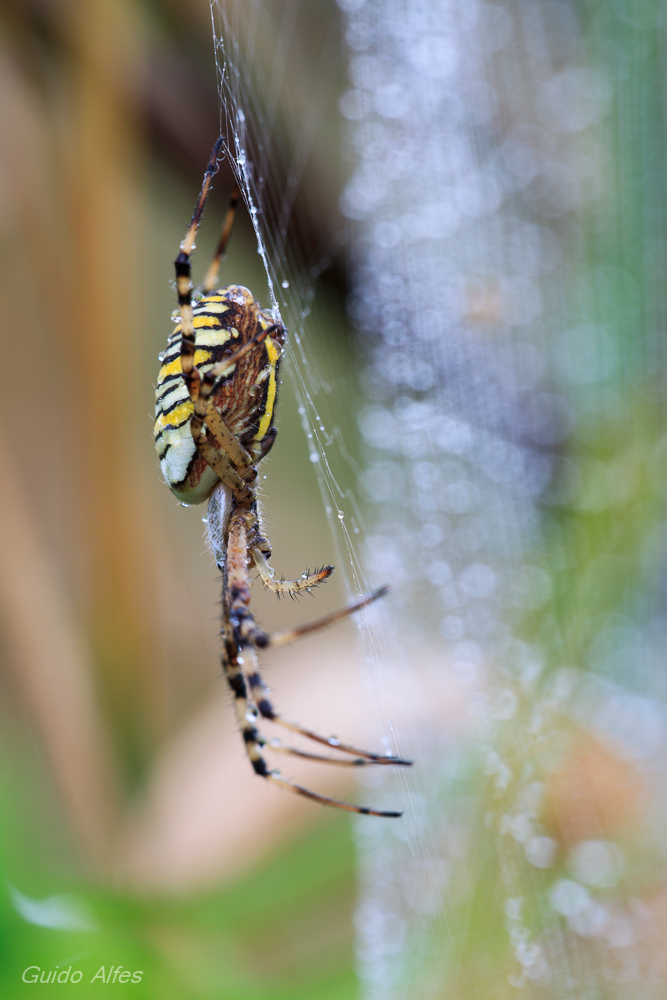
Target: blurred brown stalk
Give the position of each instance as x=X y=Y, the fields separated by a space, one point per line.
x=73 y=168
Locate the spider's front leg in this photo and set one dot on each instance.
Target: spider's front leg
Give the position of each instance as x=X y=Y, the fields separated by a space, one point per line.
x=183 y=266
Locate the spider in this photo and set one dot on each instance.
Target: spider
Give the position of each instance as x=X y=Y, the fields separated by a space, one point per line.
x=215 y=406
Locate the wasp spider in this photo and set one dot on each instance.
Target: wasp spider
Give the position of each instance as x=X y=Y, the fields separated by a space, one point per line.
x=215 y=407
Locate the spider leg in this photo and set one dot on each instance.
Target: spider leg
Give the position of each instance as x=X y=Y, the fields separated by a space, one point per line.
x=222 y=467
x=183 y=266
x=263 y=640
x=225 y=438
x=211 y=279
x=307 y=582
x=292 y=786
x=226 y=363
x=247 y=635
x=265 y=708
x=205 y=412
x=233 y=671
x=230 y=460
x=239 y=626
x=233 y=666
x=278 y=747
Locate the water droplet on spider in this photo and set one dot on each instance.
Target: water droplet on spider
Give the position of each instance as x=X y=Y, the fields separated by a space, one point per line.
x=239 y=659
x=304 y=576
x=241 y=159
x=253 y=209
x=204 y=520
x=254 y=390
x=285 y=283
x=185 y=505
x=333 y=741
x=175 y=316
x=161 y=356
x=250 y=716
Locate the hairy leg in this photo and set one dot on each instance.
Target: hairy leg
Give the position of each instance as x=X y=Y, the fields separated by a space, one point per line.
x=247 y=635
x=183 y=266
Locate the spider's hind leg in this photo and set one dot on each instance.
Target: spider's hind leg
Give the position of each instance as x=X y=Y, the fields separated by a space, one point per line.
x=263 y=639
x=233 y=666
x=233 y=670
x=245 y=637
x=260 y=695
x=277 y=747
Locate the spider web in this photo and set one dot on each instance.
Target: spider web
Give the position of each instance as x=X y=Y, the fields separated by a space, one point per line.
x=492 y=307
x=253 y=78
x=250 y=92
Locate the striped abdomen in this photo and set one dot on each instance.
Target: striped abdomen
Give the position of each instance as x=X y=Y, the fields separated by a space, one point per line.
x=245 y=395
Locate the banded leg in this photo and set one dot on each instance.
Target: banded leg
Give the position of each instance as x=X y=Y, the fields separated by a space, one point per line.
x=183 y=268
x=237 y=590
x=260 y=692
x=292 y=786
x=253 y=742
x=211 y=279
x=278 y=747
x=283 y=638
x=233 y=672
x=246 y=635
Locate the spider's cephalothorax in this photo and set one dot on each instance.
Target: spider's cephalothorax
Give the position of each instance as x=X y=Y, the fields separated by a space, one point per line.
x=214 y=421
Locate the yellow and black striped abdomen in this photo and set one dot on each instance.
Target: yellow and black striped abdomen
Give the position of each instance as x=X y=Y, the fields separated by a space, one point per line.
x=245 y=395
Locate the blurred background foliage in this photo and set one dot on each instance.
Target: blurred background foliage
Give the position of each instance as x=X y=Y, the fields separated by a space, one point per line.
x=508 y=184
